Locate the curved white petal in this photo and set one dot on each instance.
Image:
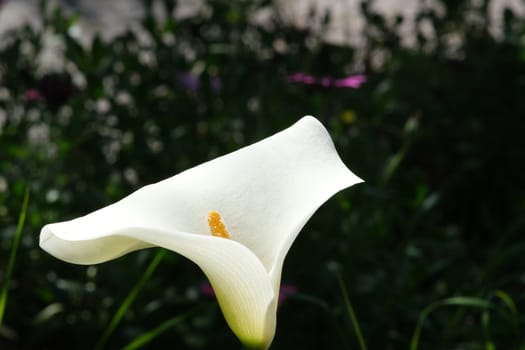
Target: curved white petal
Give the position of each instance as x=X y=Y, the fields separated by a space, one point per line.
x=240 y=281
x=264 y=192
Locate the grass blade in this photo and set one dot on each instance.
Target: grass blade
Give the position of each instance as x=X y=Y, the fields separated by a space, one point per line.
x=454 y=301
x=12 y=255
x=351 y=312
x=157 y=331
x=121 y=311
x=507 y=300
x=329 y=312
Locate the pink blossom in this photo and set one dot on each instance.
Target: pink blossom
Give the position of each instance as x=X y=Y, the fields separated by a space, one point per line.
x=33 y=95
x=300 y=78
x=206 y=290
x=326 y=81
x=352 y=81
x=286 y=291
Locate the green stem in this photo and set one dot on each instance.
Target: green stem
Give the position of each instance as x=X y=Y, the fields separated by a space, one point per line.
x=126 y=304
x=326 y=308
x=351 y=312
x=12 y=255
x=253 y=348
x=149 y=336
x=454 y=301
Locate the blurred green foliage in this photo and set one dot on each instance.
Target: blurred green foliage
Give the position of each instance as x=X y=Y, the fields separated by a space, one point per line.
x=436 y=132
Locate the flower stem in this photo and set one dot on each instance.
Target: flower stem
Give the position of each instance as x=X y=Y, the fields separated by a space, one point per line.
x=247 y=347
x=119 y=314
x=351 y=312
x=12 y=255
x=148 y=336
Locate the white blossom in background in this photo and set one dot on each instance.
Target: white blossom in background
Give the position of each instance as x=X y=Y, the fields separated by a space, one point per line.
x=110 y=18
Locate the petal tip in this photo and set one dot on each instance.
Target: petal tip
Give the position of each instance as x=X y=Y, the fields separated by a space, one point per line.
x=45 y=235
x=310 y=119
x=358 y=180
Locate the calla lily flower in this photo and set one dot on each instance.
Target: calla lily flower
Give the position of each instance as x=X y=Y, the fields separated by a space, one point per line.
x=235 y=216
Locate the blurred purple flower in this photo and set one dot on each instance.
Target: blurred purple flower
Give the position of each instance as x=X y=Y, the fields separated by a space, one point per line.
x=188 y=81
x=352 y=81
x=33 y=95
x=54 y=88
x=215 y=84
x=206 y=290
x=286 y=291
x=193 y=83
x=300 y=78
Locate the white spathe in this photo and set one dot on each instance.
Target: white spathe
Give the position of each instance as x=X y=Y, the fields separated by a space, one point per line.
x=264 y=192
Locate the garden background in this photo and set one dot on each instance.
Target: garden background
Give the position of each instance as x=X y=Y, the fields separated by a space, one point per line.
x=430 y=250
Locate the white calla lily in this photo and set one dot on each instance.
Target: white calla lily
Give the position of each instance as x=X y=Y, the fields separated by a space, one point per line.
x=235 y=217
